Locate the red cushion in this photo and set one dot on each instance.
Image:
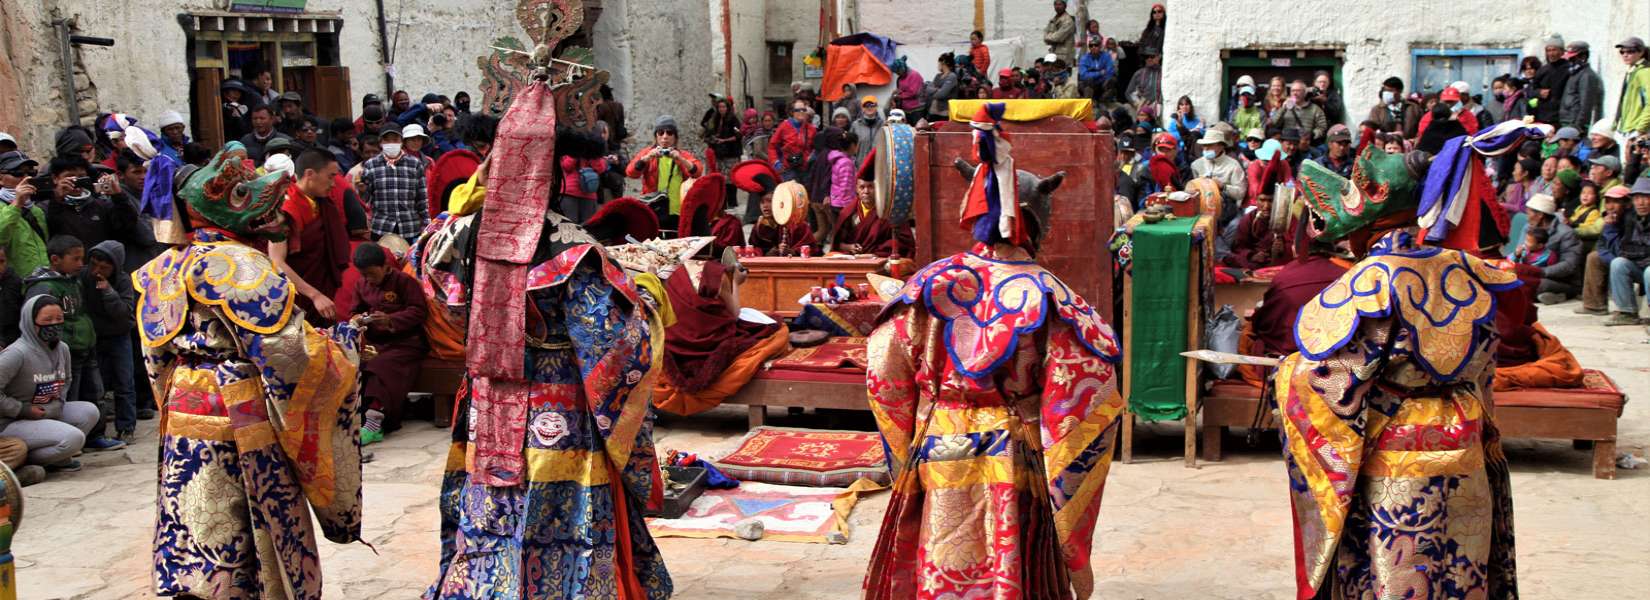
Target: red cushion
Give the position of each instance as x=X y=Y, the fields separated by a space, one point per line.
x=1597 y=391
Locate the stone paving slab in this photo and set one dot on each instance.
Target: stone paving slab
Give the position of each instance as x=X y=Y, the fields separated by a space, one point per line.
x=1166 y=531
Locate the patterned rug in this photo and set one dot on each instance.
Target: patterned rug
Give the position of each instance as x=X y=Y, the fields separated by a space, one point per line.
x=787 y=513
x=809 y=457
x=857 y=318
x=836 y=354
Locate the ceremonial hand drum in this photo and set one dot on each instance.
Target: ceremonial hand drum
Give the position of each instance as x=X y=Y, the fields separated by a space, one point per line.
x=789 y=200
x=896 y=172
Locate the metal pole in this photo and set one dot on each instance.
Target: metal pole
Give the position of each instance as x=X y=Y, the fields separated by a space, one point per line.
x=65 y=56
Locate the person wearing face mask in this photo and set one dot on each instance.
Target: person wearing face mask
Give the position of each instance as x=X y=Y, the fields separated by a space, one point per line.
x=393 y=185
x=34 y=373
x=461 y=103
x=1395 y=113
x=1452 y=101
x=22 y=219
x=1216 y=164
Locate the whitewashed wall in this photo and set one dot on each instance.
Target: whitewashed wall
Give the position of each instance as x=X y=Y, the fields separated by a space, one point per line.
x=1378 y=36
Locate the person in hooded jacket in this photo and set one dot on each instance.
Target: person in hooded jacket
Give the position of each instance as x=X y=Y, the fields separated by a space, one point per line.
x=111 y=304
x=34 y=373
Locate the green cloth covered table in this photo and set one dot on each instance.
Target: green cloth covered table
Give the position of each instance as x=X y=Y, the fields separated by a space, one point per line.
x=1157 y=321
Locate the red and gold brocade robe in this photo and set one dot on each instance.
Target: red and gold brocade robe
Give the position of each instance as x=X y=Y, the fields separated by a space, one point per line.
x=1396 y=475
x=995 y=389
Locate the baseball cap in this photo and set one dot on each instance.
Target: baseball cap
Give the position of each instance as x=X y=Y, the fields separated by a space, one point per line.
x=1642 y=186
x=14 y=160
x=1607 y=161
x=370 y=99
x=1450 y=94
x=1633 y=43
x=7 y=138
x=291 y=97
x=1617 y=191
x=1290 y=134
x=1255 y=134
x=868 y=99
x=278 y=143
x=1339 y=133
x=413 y=130
x=1567 y=133
x=373 y=112
x=1575 y=48
x=1050 y=58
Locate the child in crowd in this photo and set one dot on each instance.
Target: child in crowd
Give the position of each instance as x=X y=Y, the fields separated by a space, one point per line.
x=1534 y=252
x=393 y=307
x=34 y=372
x=60 y=279
x=112 y=311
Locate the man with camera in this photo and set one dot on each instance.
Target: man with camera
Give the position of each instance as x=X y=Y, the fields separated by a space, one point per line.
x=22 y=221
x=662 y=166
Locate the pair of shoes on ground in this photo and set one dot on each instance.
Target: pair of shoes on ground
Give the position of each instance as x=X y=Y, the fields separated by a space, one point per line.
x=1551 y=298
x=1585 y=310
x=145 y=414
x=126 y=437
x=67 y=466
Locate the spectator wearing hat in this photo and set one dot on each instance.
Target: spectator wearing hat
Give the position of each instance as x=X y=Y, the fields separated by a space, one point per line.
x=291 y=107
x=372 y=117
x=263 y=120
x=22 y=216
x=236 y=109
x=1008 y=85
x=1293 y=144
x=1567 y=142
x=1131 y=170
x=866 y=127
x=1146 y=87
x=392 y=184
x=663 y=167
x=1246 y=113
x=1604 y=171
x=1451 y=99
x=1583 y=99
x=172 y=136
x=1337 y=156
x=1299 y=112
x=416 y=142
x=1633 y=107
x=1595 y=282
x=1394 y=112
x=1216 y=164
x=1549 y=82
x=1162 y=167
x=1601 y=140
x=1626 y=247
x=1561 y=278
x=7 y=142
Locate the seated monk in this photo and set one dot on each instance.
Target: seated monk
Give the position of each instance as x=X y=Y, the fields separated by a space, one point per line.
x=773 y=239
x=392 y=309
x=860 y=230
x=1271 y=331
x=704 y=214
x=1256 y=246
x=1529 y=356
x=710 y=354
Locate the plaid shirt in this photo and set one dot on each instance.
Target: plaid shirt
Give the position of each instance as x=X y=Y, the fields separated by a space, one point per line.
x=396 y=195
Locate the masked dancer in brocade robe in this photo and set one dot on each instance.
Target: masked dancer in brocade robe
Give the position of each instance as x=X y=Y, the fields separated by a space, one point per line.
x=259 y=413
x=552 y=461
x=1396 y=474
x=994 y=385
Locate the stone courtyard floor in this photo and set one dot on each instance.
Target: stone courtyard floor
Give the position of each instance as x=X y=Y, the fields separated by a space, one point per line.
x=1166 y=531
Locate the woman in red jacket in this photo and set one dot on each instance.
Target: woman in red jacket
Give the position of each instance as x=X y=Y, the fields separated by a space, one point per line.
x=662 y=166
x=791 y=144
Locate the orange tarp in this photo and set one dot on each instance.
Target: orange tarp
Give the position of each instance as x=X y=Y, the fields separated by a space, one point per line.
x=851 y=65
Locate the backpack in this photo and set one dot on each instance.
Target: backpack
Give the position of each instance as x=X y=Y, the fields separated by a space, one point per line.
x=589 y=180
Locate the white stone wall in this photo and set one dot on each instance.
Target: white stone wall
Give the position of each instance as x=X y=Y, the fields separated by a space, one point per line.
x=938 y=22
x=1378 y=35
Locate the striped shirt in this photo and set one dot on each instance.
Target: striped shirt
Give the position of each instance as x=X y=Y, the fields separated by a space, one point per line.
x=396 y=194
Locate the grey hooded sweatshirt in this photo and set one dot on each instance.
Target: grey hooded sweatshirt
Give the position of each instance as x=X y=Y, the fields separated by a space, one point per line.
x=31 y=373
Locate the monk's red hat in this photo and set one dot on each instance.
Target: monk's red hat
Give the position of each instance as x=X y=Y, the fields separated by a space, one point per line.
x=621 y=217
x=701 y=205
x=754 y=176
x=451 y=169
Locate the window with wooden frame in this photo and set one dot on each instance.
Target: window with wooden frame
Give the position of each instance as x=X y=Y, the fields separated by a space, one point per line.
x=779 y=63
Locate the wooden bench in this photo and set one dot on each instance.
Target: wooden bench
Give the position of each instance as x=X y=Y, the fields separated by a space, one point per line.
x=801 y=389
x=441 y=379
x=1587 y=413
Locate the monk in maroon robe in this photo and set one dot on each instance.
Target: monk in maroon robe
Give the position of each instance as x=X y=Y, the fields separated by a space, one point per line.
x=774 y=239
x=1272 y=328
x=394 y=307
x=860 y=230
x=1256 y=246
x=317 y=249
